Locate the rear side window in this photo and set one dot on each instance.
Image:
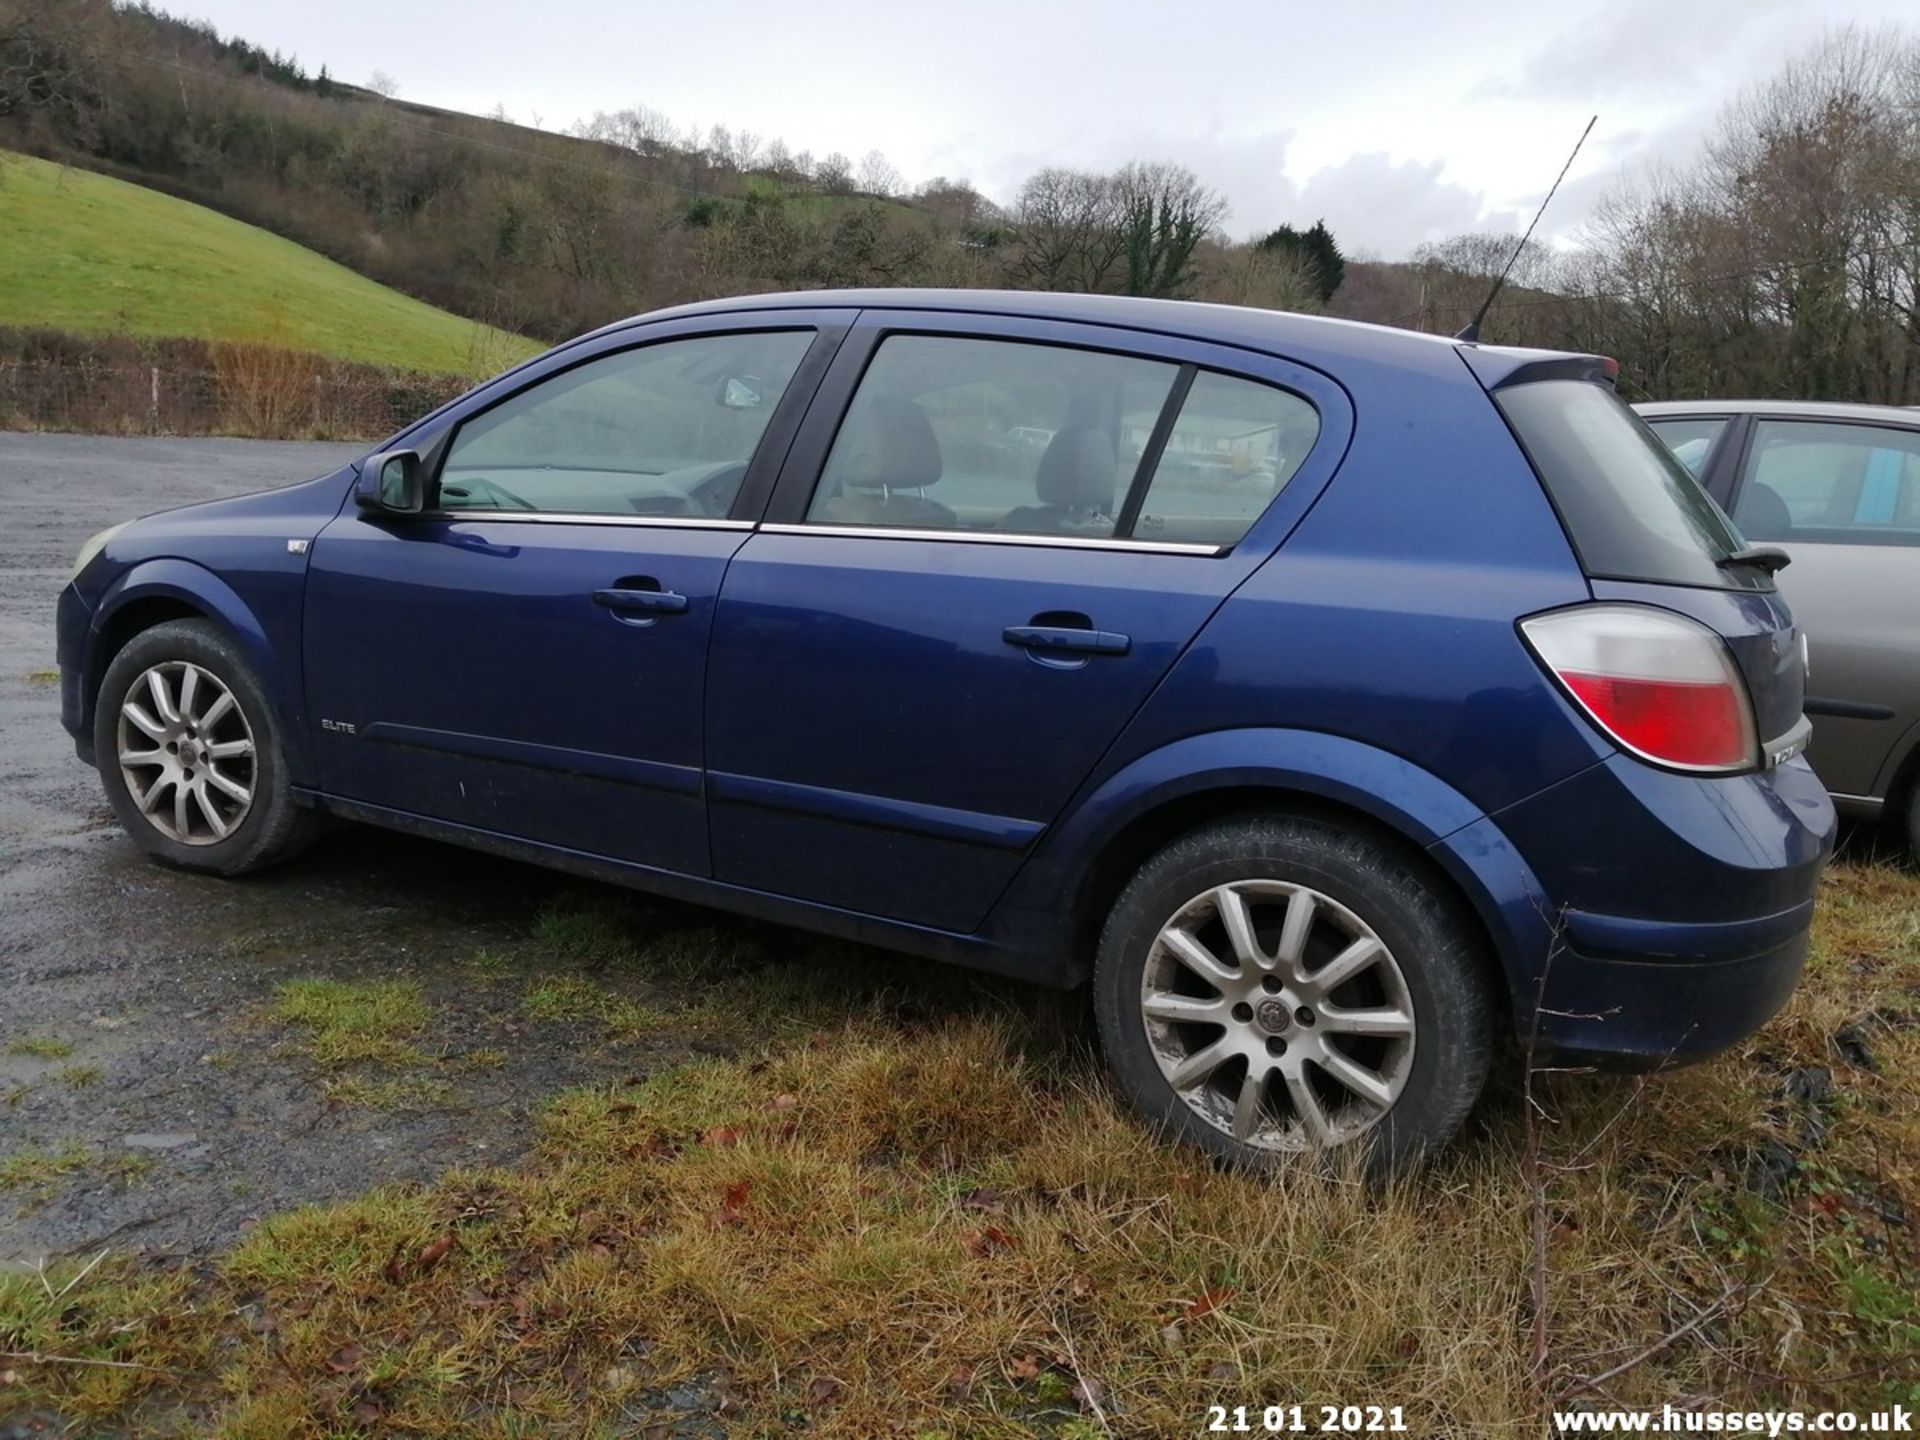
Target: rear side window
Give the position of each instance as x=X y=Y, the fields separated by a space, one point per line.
x=1632 y=510
x=952 y=433
x=1233 y=446
x=1834 y=483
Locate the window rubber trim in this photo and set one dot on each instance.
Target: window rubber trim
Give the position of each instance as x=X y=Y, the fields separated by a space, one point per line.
x=1143 y=473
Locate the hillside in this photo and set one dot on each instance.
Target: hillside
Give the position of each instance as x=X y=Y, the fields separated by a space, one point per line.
x=95 y=255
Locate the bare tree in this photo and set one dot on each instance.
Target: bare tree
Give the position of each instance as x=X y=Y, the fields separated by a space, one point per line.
x=1265 y=279
x=383 y=84
x=834 y=174
x=1071 y=236
x=877 y=175
x=954 y=202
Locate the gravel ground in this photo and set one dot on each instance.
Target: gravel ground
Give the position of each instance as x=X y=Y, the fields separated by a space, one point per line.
x=179 y=1111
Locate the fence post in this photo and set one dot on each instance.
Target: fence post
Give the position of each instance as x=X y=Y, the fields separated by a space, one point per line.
x=153 y=397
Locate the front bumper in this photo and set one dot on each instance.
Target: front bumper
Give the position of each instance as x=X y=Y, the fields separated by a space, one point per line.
x=72 y=620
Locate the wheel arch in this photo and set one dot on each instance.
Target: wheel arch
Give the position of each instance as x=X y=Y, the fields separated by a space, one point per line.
x=1902 y=782
x=1206 y=779
x=156 y=591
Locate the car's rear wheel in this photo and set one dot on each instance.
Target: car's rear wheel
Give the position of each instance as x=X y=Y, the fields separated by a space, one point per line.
x=190 y=753
x=1271 y=987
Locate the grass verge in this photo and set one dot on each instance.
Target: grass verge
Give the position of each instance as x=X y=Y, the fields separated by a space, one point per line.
x=911 y=1207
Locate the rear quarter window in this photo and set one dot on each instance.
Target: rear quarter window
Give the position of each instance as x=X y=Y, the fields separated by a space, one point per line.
x=1632 y=510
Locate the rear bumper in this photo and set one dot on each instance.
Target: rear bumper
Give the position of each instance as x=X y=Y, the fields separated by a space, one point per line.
x=1620 y=1013
x=1679 y=908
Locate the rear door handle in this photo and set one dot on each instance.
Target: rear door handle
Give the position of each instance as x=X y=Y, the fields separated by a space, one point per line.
x=1062 y=637
x=652 y=602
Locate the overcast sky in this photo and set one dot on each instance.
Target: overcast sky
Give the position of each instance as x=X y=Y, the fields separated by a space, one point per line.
x=1395 y=120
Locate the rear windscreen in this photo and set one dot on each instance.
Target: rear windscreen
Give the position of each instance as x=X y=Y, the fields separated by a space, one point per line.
x=1632 y=510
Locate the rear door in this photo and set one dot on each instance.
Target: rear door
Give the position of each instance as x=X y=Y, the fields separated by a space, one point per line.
x=992 y=539
x=1843 y=498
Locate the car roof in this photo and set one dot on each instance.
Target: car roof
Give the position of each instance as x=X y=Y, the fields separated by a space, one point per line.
x=1802 y=409
x=1276 y=331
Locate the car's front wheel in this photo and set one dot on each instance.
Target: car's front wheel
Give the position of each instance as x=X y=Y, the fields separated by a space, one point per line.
x=1275 y=986
x=190 y=753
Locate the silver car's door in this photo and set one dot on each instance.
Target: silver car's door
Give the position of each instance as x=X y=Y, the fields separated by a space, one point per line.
x=1843 y=498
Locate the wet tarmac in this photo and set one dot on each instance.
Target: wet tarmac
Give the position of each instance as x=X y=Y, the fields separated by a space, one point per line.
x=137 y=1051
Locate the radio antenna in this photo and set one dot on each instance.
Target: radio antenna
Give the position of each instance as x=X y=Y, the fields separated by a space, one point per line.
x=1472 y=333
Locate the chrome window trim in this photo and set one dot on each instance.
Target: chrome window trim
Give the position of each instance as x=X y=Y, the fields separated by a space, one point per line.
x=989 y=537
x=590 y=517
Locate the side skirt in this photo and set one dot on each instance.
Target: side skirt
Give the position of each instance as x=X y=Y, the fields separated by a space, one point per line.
x=972 y=951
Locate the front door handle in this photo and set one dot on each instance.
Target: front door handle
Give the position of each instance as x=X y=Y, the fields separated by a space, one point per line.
x=651 y=602
x=1067 y=637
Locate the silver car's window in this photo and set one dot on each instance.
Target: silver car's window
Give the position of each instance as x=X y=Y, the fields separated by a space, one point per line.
x=1831 y=482
x=1691 y=440
x=666 y=429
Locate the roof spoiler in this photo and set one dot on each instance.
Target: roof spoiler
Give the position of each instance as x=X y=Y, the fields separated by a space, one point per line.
x=1496 y=367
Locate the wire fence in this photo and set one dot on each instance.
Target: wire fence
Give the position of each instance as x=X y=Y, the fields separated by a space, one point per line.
x=185 y=387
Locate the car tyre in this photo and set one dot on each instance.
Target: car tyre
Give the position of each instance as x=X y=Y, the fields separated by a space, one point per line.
x=1286 y=986
x=190 y=753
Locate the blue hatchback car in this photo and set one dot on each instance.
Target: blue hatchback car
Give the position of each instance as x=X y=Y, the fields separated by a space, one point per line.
x=1333 y=698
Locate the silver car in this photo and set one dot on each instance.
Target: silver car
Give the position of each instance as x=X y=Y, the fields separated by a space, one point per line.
x=1838 y=488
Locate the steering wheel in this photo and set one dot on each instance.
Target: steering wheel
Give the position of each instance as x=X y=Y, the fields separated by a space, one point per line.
x=500 y=497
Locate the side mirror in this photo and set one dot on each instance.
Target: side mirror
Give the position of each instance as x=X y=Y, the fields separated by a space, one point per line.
x=741 y=392
x=392 y=483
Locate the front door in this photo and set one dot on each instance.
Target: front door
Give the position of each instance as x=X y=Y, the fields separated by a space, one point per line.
x=1014 y=532
x=528 y=658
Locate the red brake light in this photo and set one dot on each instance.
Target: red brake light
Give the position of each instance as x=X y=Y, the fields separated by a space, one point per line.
x=1609 y=368
x=1658 y=684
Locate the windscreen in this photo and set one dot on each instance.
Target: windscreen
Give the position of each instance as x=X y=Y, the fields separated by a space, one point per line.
x=1632 y=510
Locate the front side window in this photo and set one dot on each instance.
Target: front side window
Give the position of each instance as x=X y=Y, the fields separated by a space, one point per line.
x=1836 y=483
x=666 y=429
x=962 y=434
x=1691 y=440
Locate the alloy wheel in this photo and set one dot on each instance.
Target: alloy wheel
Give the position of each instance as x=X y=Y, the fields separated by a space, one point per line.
x=1278 y=1015
x=186 y=752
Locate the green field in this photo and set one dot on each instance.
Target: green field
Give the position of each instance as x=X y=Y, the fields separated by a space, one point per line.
x=94 y=255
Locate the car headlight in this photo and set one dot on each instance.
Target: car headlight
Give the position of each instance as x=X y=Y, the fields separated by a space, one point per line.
x=93 y=547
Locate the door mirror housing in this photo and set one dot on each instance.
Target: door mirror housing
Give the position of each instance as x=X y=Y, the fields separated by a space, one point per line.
x=393 y=483
x=741 y=392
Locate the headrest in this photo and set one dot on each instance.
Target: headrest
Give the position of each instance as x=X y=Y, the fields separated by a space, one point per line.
x=887 y=444
x=1763 y=514
x=1079 y=470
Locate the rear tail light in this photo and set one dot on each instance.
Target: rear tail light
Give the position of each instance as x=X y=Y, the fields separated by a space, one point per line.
x=1657 y=684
